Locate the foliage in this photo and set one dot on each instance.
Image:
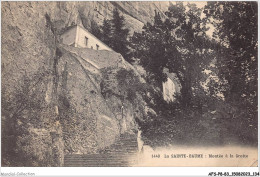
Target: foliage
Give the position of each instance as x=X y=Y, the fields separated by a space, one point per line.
x=236 y=31
x=130 y=85
x=180 y=44
x=207 y=102
x=115 y=35
x=119 y=40
x=106 y=32
x=150 y=46
x=95 y=29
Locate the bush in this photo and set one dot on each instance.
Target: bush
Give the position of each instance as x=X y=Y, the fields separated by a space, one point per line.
x=215 y=123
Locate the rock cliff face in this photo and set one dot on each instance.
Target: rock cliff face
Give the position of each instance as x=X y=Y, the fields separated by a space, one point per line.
x=30 y=128
x=66 y=13
x=54 y=101
x=135 y=13
x=90 y=111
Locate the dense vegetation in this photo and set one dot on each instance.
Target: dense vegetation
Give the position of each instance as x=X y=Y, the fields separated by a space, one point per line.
x=217 y=71
x=115 y=34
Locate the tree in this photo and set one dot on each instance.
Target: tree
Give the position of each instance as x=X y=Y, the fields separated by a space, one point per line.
x=149 y=47
x=106 y=32
x=180 y=44
x=236 y=31
x=119 y=40
x=95 y=29
x=115 y=35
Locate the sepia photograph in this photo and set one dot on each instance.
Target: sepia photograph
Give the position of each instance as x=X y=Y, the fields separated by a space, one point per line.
x=129 y=84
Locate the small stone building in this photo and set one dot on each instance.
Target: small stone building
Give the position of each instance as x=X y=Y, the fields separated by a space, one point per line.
x=78 y=36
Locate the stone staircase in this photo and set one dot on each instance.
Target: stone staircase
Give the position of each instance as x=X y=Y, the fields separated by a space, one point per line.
x=123 y=153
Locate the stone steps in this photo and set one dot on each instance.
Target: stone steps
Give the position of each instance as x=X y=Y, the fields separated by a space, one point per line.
x=122 y=153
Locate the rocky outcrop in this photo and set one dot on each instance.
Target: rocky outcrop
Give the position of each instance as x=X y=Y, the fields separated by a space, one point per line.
x=136 y=13
x=92 y=109
x=31 y=132
x=53 y=100
x=84 y=13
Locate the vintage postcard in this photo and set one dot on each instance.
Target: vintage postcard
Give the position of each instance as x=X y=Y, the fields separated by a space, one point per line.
x=129 y=84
